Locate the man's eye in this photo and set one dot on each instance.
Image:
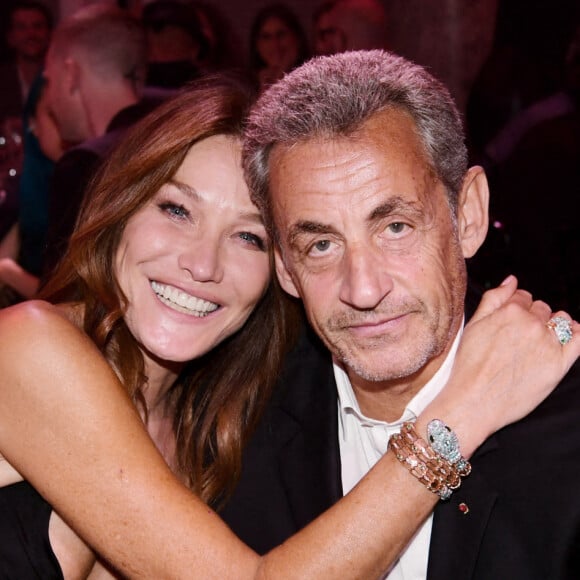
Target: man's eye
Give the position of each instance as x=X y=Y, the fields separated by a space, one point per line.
x=175 y=210
x=397 y=227
x=321 y=246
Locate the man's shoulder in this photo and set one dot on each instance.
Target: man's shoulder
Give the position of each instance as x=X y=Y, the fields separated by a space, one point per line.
x=99 y=146
x=563 y=402
x=523 y=495
x=304 y=396
x=79 y=162
x=72 y=172
x=72 y=156
x=548 y=436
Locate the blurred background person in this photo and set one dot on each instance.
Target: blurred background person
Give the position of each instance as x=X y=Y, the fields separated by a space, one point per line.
x=223 y=39
x=350 y=25
x=525 y=65
x=176 y=44
x=277 y=44
x=22 y=247
x=28 y=36
x=323 y=30
x=29 y=25
x=95 y=71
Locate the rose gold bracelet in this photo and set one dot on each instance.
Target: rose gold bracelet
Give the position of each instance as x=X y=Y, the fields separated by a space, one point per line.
x=436 y=473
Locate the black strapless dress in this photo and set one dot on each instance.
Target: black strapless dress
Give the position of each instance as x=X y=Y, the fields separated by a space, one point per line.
x=25 y=551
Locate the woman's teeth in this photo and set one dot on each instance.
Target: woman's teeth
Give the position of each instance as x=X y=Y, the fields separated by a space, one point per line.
x=183 y=302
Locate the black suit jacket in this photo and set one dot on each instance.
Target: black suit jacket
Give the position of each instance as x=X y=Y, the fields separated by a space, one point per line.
x=523 y=494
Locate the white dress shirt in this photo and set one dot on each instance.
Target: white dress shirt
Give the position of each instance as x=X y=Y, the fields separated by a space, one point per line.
x=363 y=441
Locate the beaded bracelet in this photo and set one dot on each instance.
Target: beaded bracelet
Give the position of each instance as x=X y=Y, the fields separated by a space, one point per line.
x=436 y=473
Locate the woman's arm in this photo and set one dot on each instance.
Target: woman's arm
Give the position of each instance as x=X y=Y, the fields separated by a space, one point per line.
x=10 y=243
x=14 y=275
x=68 y=427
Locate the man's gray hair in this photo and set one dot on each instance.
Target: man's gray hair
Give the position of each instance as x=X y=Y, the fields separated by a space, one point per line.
x=333 y=96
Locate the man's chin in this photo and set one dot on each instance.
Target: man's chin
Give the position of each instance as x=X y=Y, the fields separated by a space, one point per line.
x=380 y=363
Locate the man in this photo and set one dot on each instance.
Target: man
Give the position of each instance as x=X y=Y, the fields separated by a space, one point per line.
x=175 y=43
x=95 y=70
x=358 y=163
x=28 y=35
x=349 y=25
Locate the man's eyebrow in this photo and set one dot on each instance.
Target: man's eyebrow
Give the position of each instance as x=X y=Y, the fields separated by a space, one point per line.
x=307 y=227
x=393 y=205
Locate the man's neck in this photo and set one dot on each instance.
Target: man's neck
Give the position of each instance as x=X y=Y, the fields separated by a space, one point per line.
x=387 y=400
x=385 y=403
x=103 y=112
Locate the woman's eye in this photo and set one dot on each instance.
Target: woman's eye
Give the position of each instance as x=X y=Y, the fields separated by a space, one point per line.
x=175 y=210
x=253 y=239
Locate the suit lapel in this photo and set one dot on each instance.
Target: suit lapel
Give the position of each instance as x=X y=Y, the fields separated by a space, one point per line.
x=308 y=452
x=459 y=525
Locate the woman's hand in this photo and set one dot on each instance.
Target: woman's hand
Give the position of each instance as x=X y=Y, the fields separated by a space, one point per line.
x=507 y=363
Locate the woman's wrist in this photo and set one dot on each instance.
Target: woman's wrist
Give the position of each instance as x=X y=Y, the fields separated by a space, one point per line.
x=459 y=416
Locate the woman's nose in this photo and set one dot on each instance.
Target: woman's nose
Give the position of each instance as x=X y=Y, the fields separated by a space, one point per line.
x=203 y=260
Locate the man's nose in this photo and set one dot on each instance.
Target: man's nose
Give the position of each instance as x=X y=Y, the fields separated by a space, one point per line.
x=365 y=277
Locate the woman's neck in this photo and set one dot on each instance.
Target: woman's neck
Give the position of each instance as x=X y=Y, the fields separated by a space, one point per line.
x=160 y=378
x=159 y=414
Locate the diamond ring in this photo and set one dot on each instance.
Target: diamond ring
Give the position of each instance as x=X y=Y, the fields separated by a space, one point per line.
x=561 y=327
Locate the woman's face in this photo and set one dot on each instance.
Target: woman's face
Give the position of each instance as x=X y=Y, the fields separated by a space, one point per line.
x=194 y=261
x=277 y=45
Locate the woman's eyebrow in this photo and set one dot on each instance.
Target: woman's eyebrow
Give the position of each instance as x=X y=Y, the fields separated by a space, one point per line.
x=249 y=215
x=186 y=189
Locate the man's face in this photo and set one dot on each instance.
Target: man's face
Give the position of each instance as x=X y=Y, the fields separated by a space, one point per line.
x=329 y=38
x=368 y=241
x=29 y=34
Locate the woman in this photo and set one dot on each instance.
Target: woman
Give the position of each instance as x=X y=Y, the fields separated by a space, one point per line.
x=277 y=44
x=167 y=263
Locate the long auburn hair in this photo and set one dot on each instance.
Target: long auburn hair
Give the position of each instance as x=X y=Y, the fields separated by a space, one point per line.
x=218 y=397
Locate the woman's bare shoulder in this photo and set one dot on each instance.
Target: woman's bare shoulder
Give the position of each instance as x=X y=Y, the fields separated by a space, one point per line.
x=39 y=337
x=38 y=324
x=33 y=314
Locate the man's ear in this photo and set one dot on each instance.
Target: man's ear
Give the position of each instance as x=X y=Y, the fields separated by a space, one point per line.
x=284 y=276
x=472 y=211
x=72 y=74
